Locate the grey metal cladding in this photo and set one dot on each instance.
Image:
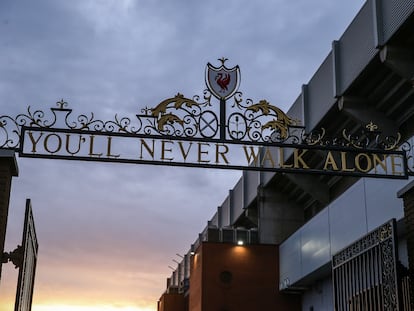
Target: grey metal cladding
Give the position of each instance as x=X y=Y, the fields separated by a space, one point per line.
x=251 y=182
x=237 y=201
x=296 y=110
x=291 y=260
x=356 y=47
x=316 y=246
x=225 y=212
x=381 y=207
x=394 y=13
x=214 y=220
x=348 y=209
x=320 y=93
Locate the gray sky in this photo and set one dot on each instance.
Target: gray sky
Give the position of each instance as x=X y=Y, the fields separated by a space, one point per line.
x=107 y=232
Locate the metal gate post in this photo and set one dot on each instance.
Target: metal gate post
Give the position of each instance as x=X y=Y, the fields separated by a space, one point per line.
x=8 y=169
x=407 y=194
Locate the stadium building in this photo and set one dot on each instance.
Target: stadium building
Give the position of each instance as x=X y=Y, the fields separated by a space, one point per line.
x=285 y=241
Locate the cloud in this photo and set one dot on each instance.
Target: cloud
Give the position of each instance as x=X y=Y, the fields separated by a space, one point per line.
x=104 y=226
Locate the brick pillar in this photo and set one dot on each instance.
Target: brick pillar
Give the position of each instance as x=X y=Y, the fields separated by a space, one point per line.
x=8 y=169
x=407 y=194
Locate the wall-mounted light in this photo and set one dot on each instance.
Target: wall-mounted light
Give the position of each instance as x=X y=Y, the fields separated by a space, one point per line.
x=240 y=242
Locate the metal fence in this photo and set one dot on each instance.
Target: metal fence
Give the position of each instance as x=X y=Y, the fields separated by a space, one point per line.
x=365 y=273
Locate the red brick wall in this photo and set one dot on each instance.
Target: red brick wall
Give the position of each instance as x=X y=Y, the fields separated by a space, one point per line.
x=172 y=302
x=228 y=277
x=196 y=281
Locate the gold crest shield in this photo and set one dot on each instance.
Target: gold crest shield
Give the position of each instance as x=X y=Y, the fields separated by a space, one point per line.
x=221 y=81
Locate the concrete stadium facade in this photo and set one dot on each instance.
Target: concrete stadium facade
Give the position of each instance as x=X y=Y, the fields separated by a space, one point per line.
x=301 y=222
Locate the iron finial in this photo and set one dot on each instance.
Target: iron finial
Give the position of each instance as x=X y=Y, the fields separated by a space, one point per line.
x=371 y=126
x=61 y=104
x=223 y=60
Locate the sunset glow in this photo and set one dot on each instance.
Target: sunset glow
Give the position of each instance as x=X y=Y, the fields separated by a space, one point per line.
x=88 y=308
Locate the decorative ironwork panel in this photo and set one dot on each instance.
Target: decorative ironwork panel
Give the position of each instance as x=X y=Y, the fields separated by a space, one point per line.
x=183 y=118
x=176 y=117
x=365 y=273
x=206 y=131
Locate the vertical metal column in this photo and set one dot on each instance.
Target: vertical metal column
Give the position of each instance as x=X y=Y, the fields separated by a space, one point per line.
x=222 y=119
x=8 y=169
x=407 y=194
